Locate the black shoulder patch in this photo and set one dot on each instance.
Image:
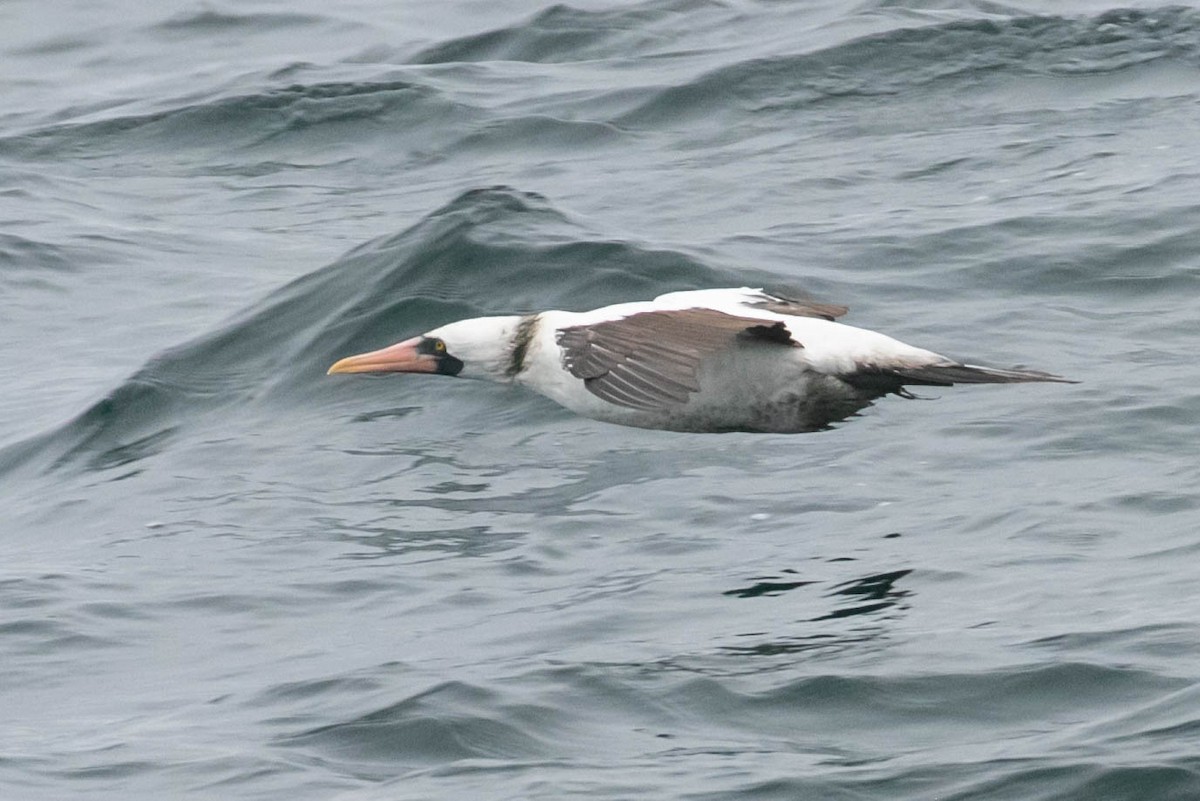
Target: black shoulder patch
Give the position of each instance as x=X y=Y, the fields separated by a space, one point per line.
x=776 y=332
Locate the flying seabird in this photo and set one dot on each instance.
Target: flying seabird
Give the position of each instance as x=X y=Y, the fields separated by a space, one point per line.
x=705 y=361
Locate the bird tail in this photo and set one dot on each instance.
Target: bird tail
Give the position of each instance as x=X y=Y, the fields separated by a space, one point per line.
x=944 y=375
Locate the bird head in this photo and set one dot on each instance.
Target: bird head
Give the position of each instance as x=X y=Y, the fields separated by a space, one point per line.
x=477 y=348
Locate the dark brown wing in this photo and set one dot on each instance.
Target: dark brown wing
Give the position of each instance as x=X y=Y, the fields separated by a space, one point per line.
x=798 y=306
x=649 y=360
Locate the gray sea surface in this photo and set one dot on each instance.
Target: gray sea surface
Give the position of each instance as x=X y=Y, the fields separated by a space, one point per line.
x=225 y=575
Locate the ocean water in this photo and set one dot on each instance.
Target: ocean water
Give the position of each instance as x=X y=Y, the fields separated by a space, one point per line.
x=226 y=575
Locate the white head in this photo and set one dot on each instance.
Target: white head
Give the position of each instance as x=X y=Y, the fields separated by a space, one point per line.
x=481 y=347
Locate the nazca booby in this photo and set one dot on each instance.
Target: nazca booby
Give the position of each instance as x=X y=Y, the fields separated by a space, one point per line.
x=704 y=360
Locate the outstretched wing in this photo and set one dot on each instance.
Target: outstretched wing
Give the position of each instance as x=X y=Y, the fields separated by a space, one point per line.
x=650 y=360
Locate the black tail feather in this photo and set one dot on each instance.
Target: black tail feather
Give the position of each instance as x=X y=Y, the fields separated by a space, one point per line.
x=945 y=375
x=879 y=381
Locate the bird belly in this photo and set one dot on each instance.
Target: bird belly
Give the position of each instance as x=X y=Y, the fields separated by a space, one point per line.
x=785 y=402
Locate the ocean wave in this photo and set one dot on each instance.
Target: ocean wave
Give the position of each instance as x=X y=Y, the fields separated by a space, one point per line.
x=999 y=729
x=955 y=52
x=19 y=253
x=562 y=33
x=205 y=21
x=332 y=110
x=451 y=721
x=543 y=132
x=489 y=251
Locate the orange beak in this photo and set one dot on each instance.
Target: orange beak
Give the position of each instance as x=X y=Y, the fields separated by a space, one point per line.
x=399 y=358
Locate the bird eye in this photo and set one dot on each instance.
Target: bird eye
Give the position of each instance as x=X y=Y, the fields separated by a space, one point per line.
x=439 y=346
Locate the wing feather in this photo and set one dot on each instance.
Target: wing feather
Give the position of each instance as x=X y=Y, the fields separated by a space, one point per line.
x=650 y=360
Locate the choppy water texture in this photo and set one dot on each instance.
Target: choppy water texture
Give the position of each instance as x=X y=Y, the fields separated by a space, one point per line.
x=225 y=575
